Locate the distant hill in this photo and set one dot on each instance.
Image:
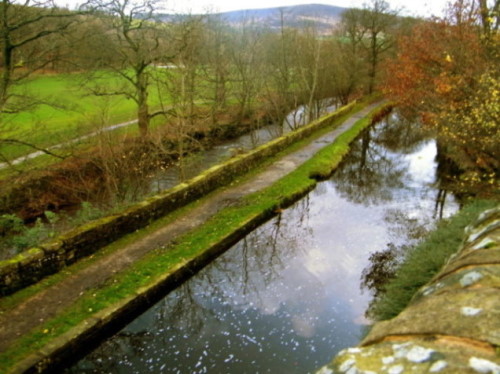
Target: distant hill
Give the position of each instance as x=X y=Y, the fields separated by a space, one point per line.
x=298 y=16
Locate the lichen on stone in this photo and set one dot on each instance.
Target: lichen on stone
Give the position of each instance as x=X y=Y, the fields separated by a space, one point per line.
x=485 y=243
x=470 y=278
x=325 y=370
x=388 y=360
x=347 y=364
x=426 y=291
x=470 y=311
x=401 y=350
x=396 y=369
x=484 y=366
x=353 y=350
x=438 y=366
x=419 y=354
x=476 y=232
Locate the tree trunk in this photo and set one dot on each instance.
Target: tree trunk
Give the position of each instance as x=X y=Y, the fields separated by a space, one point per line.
x=143 y=119
x=142 y=105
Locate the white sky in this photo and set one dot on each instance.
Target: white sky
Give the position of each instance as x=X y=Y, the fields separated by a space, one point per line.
x=422 y=8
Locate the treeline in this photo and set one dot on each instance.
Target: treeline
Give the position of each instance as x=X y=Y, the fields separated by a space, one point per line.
x=447 y=73
x=195 y=60
x=202 y=70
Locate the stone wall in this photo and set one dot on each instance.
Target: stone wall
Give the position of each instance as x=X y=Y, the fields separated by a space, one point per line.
x=35 y=263
x=452 y=324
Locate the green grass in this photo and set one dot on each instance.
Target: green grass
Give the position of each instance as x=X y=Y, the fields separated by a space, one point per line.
x=425 y=260
x=190 y=246
x=71 y=111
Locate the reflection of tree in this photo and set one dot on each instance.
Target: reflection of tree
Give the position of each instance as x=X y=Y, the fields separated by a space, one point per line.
x=238 y=280
x=440 y=203
x=370 y=172
x=404 y=228
x=382 y=268
x=383 y=264
x=399 y=134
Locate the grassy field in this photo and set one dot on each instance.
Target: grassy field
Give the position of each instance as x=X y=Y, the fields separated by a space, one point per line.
x=68 y=111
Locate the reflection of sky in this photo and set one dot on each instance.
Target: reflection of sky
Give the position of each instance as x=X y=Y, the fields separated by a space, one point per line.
x=284 y=299
x=421 y=164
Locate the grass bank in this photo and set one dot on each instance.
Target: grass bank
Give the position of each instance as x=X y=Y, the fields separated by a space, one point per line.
x=425 y=260
x=67 y=110
x=162 y=262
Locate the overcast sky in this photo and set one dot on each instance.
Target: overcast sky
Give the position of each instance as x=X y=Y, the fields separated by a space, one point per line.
x=423 y=8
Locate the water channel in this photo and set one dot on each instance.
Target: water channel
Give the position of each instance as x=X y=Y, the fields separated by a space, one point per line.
x=198 y=162
x=287 y=297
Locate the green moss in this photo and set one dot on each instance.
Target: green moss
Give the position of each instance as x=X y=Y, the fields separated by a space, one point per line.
x=189 y=247
x=425 y=260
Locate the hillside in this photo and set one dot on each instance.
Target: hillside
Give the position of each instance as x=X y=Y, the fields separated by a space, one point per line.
x=324 y=16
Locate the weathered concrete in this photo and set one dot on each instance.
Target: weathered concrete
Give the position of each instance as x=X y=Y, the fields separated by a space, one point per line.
x=452 y=324
x=48 y=303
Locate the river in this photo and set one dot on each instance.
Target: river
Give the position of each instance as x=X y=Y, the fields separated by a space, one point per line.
x=287 y=297
x=194 y=164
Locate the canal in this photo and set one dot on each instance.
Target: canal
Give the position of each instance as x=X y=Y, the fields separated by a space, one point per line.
x=287 y=297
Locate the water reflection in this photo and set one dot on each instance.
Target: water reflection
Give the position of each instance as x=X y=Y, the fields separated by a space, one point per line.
x=194 y=164
x=286 y=298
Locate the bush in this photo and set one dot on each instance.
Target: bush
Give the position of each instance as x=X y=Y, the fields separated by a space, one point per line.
x=10 y=224
x=424 y=261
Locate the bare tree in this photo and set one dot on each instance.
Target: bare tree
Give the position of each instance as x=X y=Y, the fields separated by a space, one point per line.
x=368 y=33
x=138 y=45
x=183 y=84
x=28 y=41
x=348 y=60
x=281 y=93
x=245 y=57
x=216 y=65
x=378 y=22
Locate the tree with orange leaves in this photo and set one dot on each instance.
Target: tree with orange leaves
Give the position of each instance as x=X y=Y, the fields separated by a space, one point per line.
x=446 y=72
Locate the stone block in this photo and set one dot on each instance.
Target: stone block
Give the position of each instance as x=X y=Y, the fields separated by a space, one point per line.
x=415 y=356
x=471 y=314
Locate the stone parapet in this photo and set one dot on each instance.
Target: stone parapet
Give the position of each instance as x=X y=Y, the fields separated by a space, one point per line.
x=452 y=324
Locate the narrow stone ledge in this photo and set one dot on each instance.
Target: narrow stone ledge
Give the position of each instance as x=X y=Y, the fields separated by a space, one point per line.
x=478 y=258
x=484 y=276
x=472 y=314
x=28 y=365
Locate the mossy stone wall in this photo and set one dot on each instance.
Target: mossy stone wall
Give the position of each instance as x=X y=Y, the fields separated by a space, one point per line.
x=34 y=264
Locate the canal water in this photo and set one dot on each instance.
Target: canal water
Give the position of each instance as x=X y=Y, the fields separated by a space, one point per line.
x=287 y=297
x=194 y=164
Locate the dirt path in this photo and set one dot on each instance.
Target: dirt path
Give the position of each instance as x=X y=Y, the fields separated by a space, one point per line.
x=32 y=155
x=46 y=304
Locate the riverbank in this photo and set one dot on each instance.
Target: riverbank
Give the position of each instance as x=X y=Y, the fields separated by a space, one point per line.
x=91 y=307
x=424 y=261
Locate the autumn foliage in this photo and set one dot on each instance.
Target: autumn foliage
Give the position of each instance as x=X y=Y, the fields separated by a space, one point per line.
x=446 y=72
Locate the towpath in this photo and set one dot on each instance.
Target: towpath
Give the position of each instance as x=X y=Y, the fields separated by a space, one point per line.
x=33 y=155
x=49 y=302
